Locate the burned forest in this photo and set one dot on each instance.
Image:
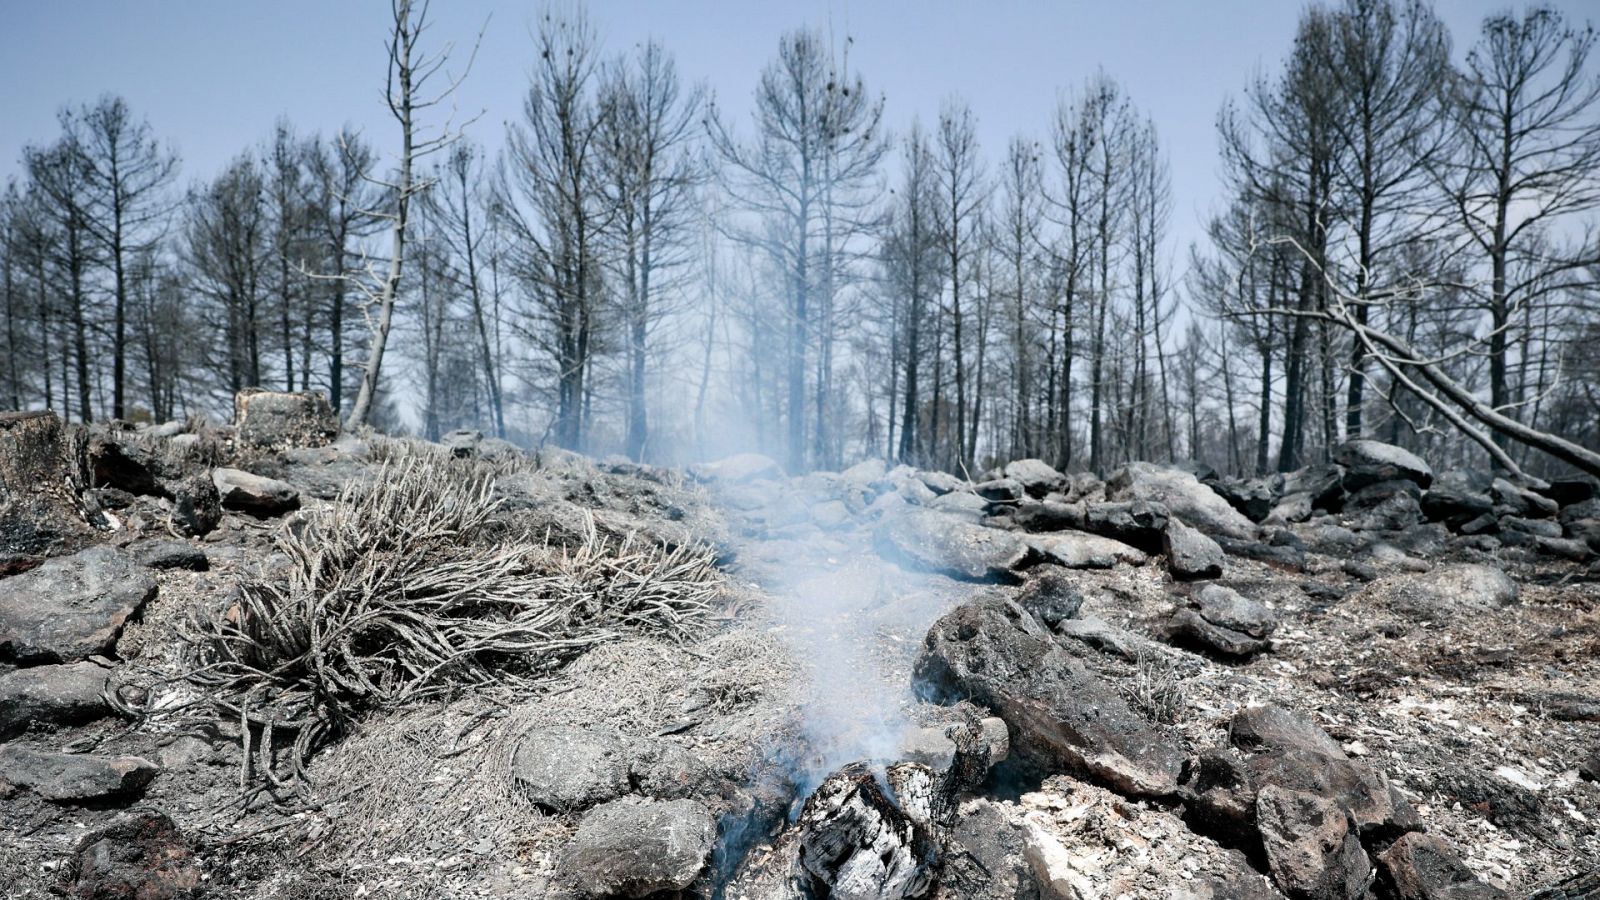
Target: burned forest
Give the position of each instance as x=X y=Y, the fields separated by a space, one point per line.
x=830 y=452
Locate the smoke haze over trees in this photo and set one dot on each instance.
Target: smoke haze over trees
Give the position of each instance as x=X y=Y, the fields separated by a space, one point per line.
x=629 y=265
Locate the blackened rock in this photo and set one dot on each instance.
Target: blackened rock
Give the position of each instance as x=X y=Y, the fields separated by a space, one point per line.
x=1515 y=500
x=1187 y=628
x=138 y=856
x=254 y=494
x=939 y=542
x=1262 y=729
x=123 y=466
x=1374 y=805
x=71 y=607
x=636 y=849
x=1321 y=484
x=53 y=695
x=171 y=555
x=1051 y=598
x=1458 y=496
x=1000 y=490
x=1218 y=794
x=74 y=777
x=1367 y=462
x=1571 y=491
x=1183 y=496
x=196 y=505
x=1313 y=852
x=995 y=653
x=1254 y=497
x=990 y=865
x=1590 y=767
x=1290 y=557
x=1422 y=867
x=1190 y=554
x=564 y=768
x=280 y=419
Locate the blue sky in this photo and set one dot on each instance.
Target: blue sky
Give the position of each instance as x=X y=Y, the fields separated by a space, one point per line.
x=213 y=76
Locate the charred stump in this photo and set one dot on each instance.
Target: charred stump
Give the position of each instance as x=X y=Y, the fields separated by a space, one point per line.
x=866 y=834
x=44 y=510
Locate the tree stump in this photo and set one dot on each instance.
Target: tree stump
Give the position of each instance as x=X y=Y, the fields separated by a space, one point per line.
x=278 y=419
x=44 y=510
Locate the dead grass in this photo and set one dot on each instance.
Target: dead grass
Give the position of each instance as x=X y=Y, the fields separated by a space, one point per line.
x=407 y=588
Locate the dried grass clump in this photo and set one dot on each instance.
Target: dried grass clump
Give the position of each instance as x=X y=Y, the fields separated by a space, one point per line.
x=406 y=589
x=1155 y=689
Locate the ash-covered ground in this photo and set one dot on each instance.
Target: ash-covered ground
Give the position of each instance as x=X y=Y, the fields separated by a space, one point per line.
x=1365 y=678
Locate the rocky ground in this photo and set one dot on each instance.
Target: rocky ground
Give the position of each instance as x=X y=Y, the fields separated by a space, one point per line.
x=1362 y=679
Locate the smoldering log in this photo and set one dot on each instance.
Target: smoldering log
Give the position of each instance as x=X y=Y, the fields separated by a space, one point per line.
x=858 y=842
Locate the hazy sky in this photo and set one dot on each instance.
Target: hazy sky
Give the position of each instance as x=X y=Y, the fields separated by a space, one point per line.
x=213 y=76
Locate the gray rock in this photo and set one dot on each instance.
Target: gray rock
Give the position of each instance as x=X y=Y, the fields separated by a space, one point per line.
x=1187 y=628
x=1102 y=637
x=1322 y=485
x=1060 y=714
x=1533 y=527
x=196 y=505
x=1422 y=867
x=939 y=542
x=171 y=555
x=564 y=768
x=1447 y=591
x=940 y=482
x=74 y=777
x=1263 y=729
x=1368 y=462
x=989 y=864
x=254 y=494
x=963 y=503
x=53 y=695
x=636 y=849
x=666 y=771
x=866 y=472
x=1036 y=476
x=1182 y=495
x=137 y=856
x=1515 y=500
x=1312 y=851
x=1458 y=496
x=1000 y=490
x=71 y=607
x=1226 y=607
x=280 y=419
x=1190 y=554
x=462 y=442
x=1081 y=550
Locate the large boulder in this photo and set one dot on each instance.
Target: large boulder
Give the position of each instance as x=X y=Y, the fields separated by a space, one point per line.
x=1190 y=554
x=1446 y=592
x=280 y=419
x=137 y=856
x=1312 y=848
x=940 y=542
x=1369 y=462
x=638 y=849
x=44 y=510
x=568 y=768
x=1036 y=476
x=1081 y=550
x=995 y=653
x=1183 y=496
x=1421 y=866
x=74 y=777
x=71 y=607
x=254 y=494
x=51 y=695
